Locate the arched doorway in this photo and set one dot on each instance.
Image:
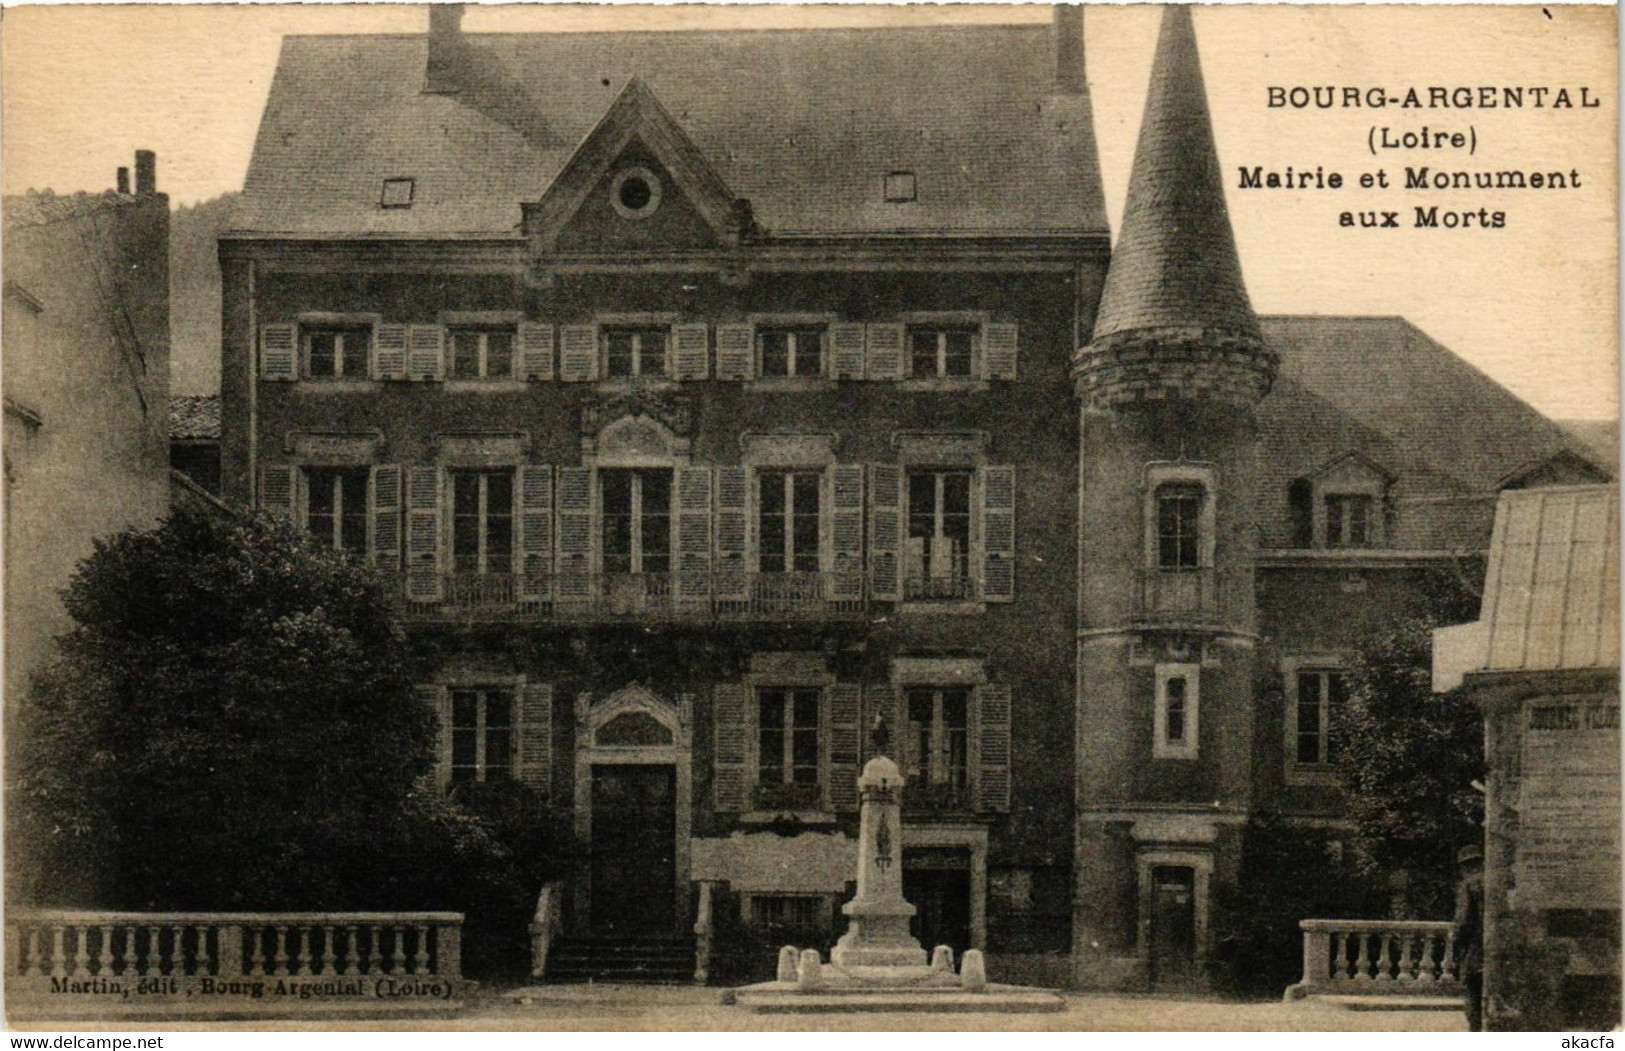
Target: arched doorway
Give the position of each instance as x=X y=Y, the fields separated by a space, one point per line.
x=633 y=811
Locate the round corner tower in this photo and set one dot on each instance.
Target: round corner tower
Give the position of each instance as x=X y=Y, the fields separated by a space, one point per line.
x=1168 y=386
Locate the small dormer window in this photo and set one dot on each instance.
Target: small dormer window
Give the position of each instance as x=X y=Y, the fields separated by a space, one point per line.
x=397 y=193
x=635 y=193
x=900 y=187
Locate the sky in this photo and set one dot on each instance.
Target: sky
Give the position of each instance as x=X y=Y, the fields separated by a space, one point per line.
x=1533 y=304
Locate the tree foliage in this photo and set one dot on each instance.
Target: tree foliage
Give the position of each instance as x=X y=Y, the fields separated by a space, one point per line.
x=1407 y=758
x=231 y=725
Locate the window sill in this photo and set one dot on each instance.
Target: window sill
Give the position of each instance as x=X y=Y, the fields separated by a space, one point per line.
x=484 y=386
x=1179 y=756
x=948 y=608
x=944 y=385
x=315 y=386
x=1311 y=775
x=627 y=385
x=782 y=817
x=790 y=384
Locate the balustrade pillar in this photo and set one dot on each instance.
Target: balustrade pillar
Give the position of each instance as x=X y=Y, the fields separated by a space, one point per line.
x=450 y=947
x=1362 y=962
x=59 y=964
x=104 y=952
x=228 y=961
x=1405 y=962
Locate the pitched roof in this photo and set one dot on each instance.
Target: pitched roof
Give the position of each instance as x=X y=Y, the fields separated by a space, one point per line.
x=1393 y=378
x=804 y=124
x=1175 y=262
x=194 y=417
x=1551 y=592
x=43 y=207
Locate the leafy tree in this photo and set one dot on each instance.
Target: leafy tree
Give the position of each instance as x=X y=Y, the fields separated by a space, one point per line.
x=231 y=725
x=1407 y=758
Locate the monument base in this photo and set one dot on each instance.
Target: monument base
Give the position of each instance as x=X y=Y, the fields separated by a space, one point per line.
x=838 y=997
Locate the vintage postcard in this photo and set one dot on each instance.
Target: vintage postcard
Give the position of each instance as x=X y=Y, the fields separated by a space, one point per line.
x=544 y=517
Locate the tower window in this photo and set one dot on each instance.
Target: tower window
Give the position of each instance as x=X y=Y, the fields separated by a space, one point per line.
x=1174 y=724
x=1179 y=529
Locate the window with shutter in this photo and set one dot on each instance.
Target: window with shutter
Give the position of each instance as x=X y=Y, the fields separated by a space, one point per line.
x=482 y=734
x=578 y=353
x=883 y=352
x=846 y=532
x=788 y=351
x=936 y=562
x=885 y=532
x=482 y=521
x=536 y=350
x=279 y=352
x=732 y=565
x=694 y=536
x=735 y=352
x=533 y=557
x=734 y=725
x=941 y=351
x=389 y=353
x=692 y=343
x=632 y=353
x=337 y=508
x=277 y=491
x=936 y=735
x=424 y=582
x=536 y=736
x=433 y=698
x=844 y=746
x=484 y=352
x=426 y=352
x=993 y=748
x=999 y=341
x=386 y=518
x=574 y=534
x=846 y=346
x=998 y=534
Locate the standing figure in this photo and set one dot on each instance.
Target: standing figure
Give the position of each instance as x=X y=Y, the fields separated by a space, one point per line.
x=1470 y=931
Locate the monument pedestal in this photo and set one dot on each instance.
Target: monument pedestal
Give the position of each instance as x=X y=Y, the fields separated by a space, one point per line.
x=878 y=965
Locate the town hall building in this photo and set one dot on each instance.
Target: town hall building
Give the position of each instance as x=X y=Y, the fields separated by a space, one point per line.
x=728 y=406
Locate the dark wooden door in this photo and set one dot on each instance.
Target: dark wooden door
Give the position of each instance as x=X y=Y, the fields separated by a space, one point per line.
x=1173 y=926
x=634 y=826
x=937 y=884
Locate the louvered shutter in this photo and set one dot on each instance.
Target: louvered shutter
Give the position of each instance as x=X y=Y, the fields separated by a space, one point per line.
x=279 y=352
x=533 y=554
x=999 y=342
x=883 y=352
x=536 y=736
x=433 y=698
x=578 y=353
x=389 y=353
x=574 y=533
x=735 y=733
x=993 y=749
x=736 y=352
x=423 y=578
x=846 y=532
x=885 y=532
x=998 y=534
x=386 y=518
x=733 y=524
x=846 y=350
x=277 y=490
x=535 y=357
x=426 y=352
x=844 y=742
x=692 y=343
x=694 y=536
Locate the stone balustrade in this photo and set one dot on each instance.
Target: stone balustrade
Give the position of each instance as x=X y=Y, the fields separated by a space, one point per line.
x=1378 y=958
x=66 y=964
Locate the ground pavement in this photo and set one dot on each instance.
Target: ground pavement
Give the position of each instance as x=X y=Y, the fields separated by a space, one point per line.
x=592 y=1008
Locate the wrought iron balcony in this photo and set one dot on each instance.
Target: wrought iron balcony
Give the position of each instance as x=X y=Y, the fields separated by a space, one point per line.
x=596 y=598
x=959 y=587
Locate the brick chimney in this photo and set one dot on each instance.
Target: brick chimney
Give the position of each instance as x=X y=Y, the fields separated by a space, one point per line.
x=447 y=49
x=1069 y=76
x=124 y=180
x=146 y=173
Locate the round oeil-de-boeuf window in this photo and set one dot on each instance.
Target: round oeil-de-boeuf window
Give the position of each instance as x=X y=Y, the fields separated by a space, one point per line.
x=635 y=193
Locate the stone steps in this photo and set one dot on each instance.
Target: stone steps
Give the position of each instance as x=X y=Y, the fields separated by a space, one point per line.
x=662 y=961
x=782 y=998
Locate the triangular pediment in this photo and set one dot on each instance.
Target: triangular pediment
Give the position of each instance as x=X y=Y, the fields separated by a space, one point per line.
x=1351 y=467
x=1566 y=467
x=636 y=180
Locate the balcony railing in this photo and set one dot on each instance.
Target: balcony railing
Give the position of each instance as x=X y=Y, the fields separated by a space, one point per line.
x=957 y=588
x=633 y=597
x=1378 y=957
x=1179 y=595
x=780 y=796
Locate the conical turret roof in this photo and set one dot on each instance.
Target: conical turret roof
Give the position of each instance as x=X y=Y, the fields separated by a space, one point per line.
x=1175 y=264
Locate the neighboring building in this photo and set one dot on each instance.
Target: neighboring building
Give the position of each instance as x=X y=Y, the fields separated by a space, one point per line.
x=194 y=439
x=86 y=346
x=1543 y=663
x=714 y=394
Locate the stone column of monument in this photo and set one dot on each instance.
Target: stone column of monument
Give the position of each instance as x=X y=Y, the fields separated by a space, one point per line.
x=877 y=930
